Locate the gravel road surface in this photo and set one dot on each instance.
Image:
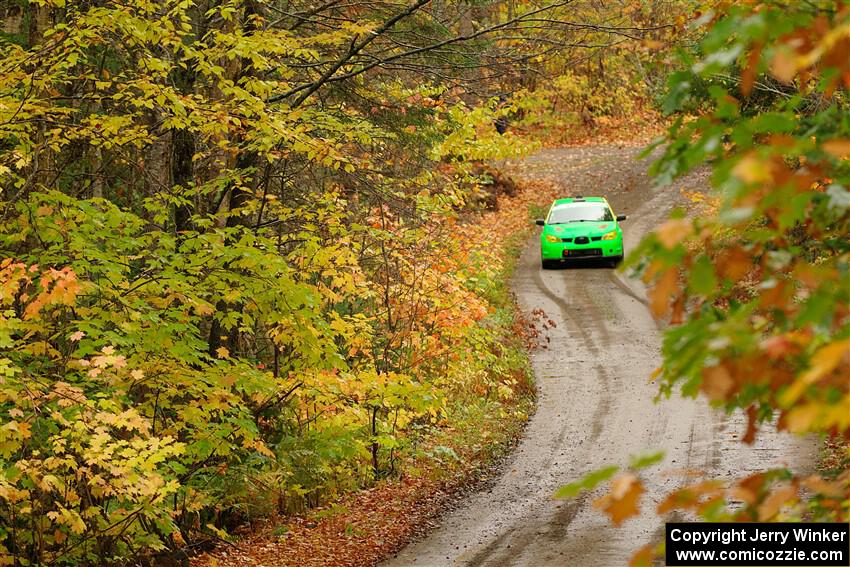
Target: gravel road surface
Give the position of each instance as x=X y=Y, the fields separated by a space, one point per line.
x=595 y=403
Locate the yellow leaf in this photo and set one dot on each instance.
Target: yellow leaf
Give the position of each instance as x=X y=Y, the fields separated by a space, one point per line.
x=222 y=352
x=824 y=361
x=801 y=418
x=655 y=374
x=202 y=309
x=752 y=170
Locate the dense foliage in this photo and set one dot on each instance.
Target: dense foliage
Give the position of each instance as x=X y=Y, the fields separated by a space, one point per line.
x=233 y=277
x=766 y=295
x=757 y=287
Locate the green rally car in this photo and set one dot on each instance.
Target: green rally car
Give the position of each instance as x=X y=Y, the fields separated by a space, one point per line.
x=580 y=228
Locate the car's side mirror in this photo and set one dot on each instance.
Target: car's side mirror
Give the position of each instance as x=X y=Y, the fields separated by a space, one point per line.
x=621 y=218
x=540 y=222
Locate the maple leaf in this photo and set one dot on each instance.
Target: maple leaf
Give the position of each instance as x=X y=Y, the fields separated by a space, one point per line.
x=748 y=489
x=717 y=383
x=77 y=336
x=733 y=263
x=621 y=502
x=222 y=352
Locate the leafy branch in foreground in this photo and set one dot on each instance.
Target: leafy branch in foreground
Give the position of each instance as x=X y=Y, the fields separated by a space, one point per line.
x=235 y=279
x=758 y=290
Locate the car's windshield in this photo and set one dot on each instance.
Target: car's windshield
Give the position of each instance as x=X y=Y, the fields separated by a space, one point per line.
x=580 y=212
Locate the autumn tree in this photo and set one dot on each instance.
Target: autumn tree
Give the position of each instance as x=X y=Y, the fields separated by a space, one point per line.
x=229 y=281
x=757 y=287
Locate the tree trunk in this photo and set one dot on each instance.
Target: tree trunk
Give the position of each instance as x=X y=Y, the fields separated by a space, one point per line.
x=182 y=152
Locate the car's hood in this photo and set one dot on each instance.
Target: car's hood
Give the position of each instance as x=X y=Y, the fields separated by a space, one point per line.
x=580 y=228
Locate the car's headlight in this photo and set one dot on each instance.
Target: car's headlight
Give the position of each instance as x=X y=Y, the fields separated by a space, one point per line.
x=552 y=238
x=610 y=235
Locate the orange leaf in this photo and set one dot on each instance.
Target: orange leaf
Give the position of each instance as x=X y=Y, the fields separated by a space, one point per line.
x=823 y=487
x=678 y=314
x=837 y=148
x=774 y=295
x=750 y=435
x=643 y=557
x=674 y=231
x=660 y=295
x=717 y=383
x=748 y=489
x=775 y=501
x=783 y=66
x=748 y=76
x=733 y=263
x=621 y=503
x=688 y=497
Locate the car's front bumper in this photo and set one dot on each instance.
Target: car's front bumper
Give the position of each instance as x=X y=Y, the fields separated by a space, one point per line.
x=569 y=250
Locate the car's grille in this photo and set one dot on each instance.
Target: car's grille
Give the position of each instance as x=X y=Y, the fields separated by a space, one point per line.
x=566 y=240
x=596 y=238
x=581 y=240
x=582 y=252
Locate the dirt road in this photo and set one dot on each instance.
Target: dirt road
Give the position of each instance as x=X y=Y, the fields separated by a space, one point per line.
x=595 y=404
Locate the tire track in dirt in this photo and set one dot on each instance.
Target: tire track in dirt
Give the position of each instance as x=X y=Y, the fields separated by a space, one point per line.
x=567 y=314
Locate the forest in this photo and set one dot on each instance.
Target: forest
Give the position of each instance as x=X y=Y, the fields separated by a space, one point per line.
x=256 y=255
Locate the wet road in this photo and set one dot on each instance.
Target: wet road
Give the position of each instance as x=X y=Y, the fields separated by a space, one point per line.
x=595 y=403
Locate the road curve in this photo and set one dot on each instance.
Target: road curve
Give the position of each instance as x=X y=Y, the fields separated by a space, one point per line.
x=595 y=403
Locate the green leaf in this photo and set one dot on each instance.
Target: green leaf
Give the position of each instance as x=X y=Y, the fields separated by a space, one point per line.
x=647 y=460
x=588 y=482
